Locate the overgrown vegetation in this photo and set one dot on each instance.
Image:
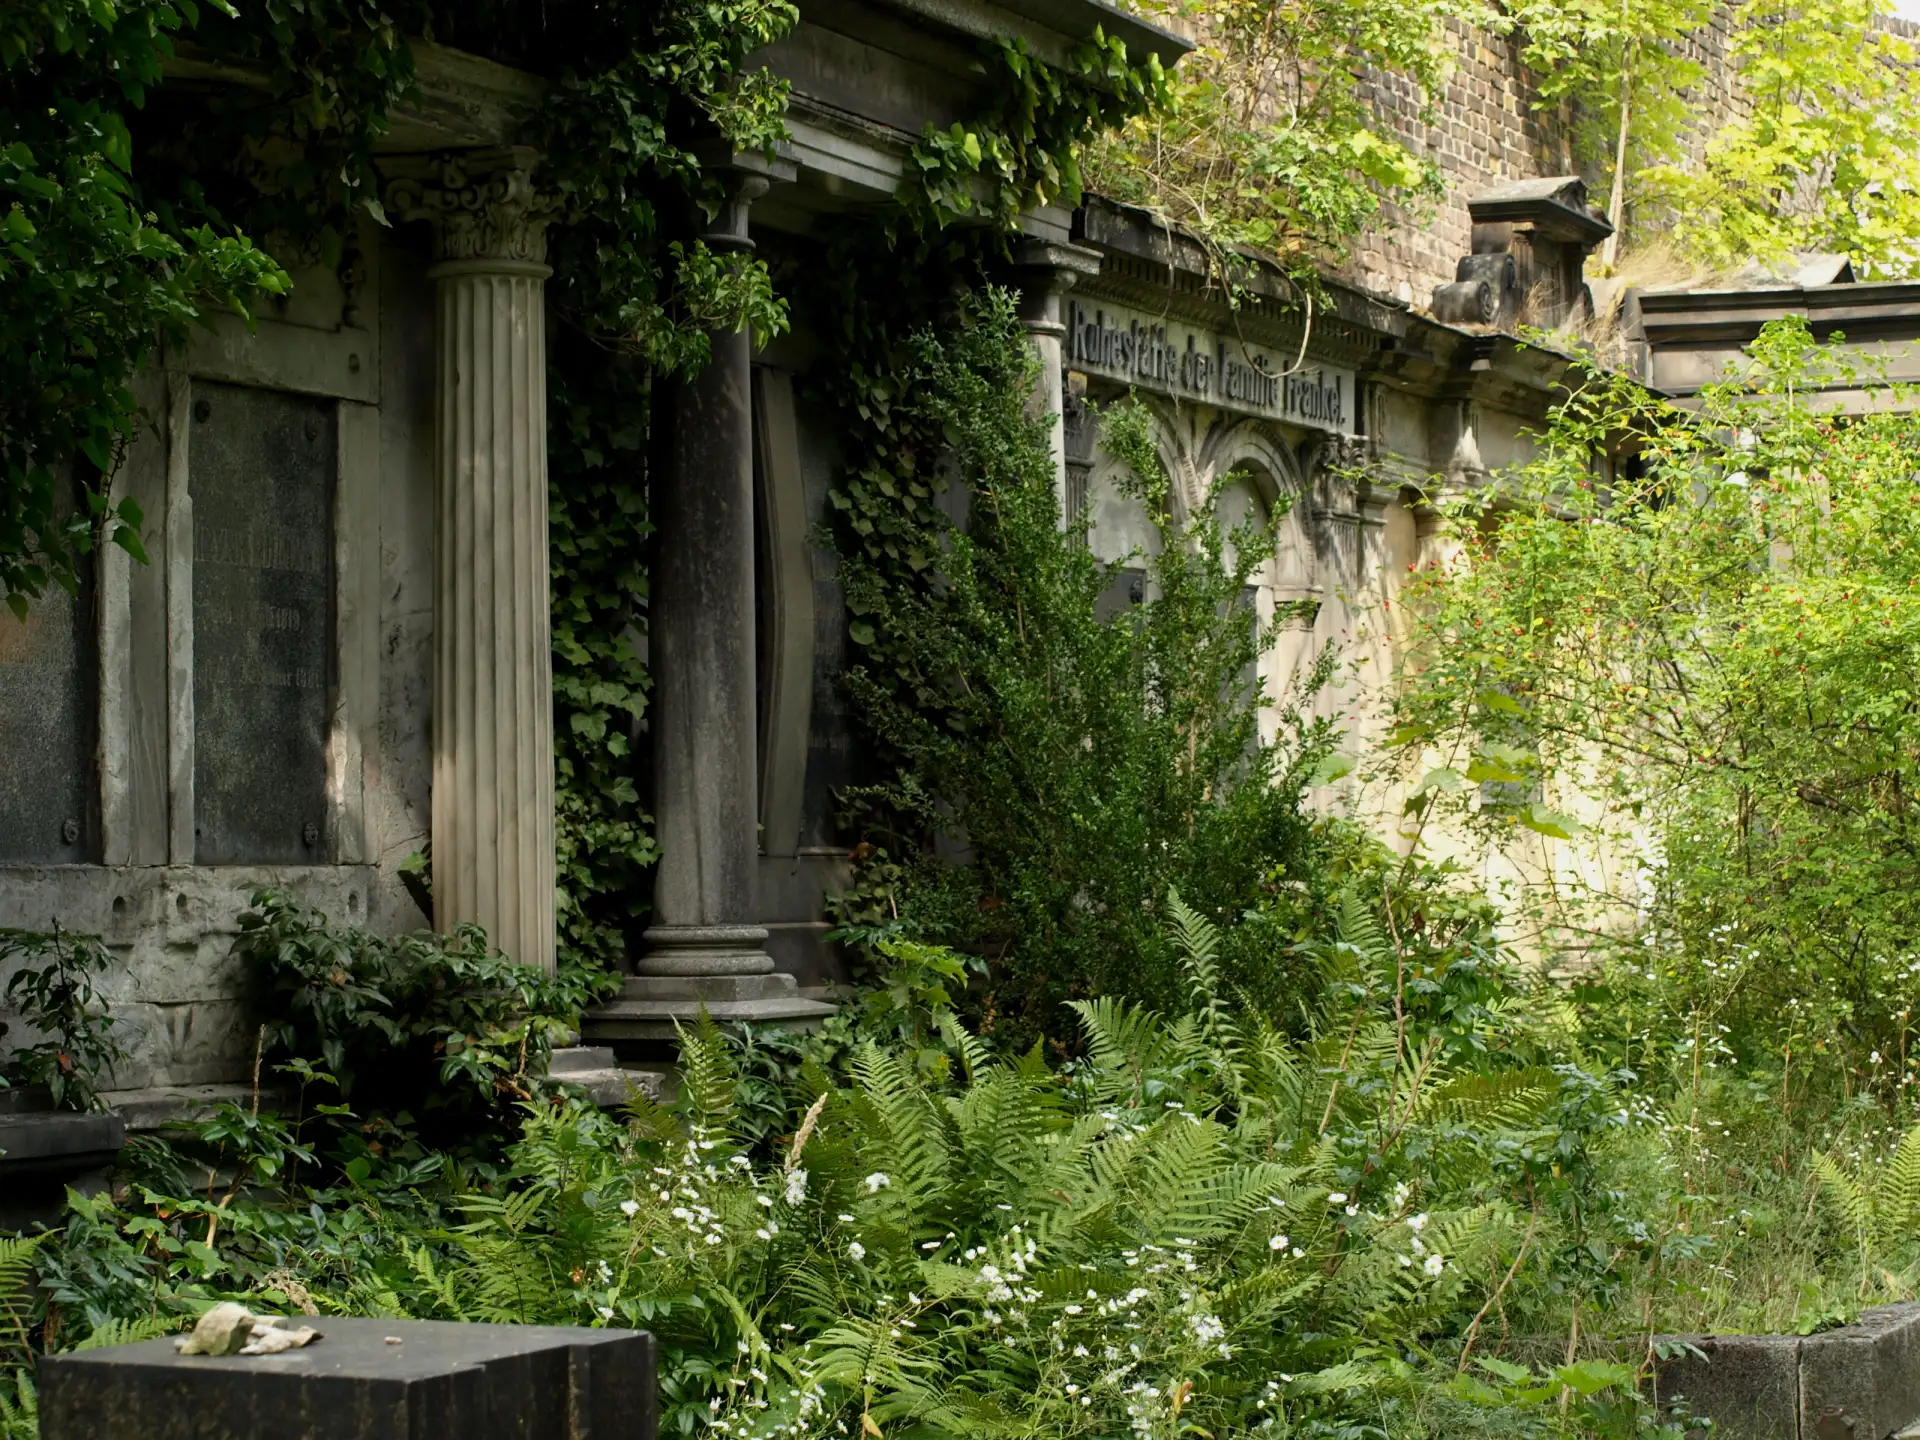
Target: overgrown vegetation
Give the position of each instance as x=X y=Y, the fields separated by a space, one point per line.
x=1268 y=137
x=69 y=1046
x=1415 y=1191
x=1087 y=765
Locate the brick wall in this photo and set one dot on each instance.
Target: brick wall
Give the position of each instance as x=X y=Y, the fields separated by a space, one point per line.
x=1488 y=128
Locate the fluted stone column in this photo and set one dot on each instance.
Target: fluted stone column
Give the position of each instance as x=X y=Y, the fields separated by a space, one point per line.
x=1046 y=271
x=493 y=858
x=705 y=949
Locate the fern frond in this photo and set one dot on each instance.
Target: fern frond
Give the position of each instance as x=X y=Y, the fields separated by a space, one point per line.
x=17 y=1257
x=126 y=1332
x=1198 y=940
x=1360 y=929
x=19 y=1407
x=1897 y=1203
x=976 y=1056
x=707 y=1077
x=1510 y=1097
x=1844 y=1193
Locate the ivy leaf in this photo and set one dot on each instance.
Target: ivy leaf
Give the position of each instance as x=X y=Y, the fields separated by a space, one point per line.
x=1551 y=823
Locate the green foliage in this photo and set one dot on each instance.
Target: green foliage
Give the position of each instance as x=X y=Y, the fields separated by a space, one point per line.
x=1022 y=149
x=92 y=276
x=1709 y=657
x=1204 y=1223
x=52 y=991
x=635 y=87
x=98 y=269
x=1879 y=1203
x=1087 y=765
x=1269 y=137
x=1623 y=66
x=434 y=1025
x=1821 y=161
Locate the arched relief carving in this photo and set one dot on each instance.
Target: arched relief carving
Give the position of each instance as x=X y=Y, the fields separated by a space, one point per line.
x=1273 y=470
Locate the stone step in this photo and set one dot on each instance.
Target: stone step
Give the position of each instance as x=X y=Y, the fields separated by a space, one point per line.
x=607 y=1083
x=577 y=1059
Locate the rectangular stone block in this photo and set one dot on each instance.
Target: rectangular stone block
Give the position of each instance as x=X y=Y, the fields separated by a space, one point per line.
x=474 y=1382
x=1861 y=1382
x=1748 y=1384
x=48 y=720
x=262 y=469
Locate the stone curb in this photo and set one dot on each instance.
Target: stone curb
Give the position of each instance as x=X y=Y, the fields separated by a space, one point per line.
x=1859 y=1382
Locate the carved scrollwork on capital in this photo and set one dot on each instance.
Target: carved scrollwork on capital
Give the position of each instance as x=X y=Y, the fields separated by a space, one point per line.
x=482 y=204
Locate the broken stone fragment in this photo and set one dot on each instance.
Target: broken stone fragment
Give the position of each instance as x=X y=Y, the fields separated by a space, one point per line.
x=220 y=1331
x=270 y=1338
x=230 y=1329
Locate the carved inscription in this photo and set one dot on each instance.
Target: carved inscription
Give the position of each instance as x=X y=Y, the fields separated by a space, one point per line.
x=261 y=470
x=1155 y=353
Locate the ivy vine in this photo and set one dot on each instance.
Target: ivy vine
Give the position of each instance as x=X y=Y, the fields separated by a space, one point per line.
x=129 y=211
x=958 y=214
x=119 y=231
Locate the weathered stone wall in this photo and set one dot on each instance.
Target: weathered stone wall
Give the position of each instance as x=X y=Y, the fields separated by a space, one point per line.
x=146 y=884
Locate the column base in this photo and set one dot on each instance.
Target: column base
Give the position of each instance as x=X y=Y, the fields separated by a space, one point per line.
x=655 y=1007
x=688 y=950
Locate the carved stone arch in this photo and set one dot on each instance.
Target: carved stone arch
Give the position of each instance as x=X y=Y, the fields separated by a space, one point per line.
x=1273 y=471
x=1119 y=524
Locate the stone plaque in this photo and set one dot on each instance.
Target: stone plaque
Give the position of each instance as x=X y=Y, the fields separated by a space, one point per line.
x=1154 y=352
x=262 y=465
x=47 y=724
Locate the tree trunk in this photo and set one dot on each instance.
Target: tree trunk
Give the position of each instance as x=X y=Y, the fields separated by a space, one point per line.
x=1616 y=202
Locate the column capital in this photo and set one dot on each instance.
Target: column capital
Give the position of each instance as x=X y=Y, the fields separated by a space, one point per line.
x=1045 y=270
x=483 y=204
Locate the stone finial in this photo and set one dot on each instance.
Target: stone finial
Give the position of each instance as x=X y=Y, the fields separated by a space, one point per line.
x=482 y=204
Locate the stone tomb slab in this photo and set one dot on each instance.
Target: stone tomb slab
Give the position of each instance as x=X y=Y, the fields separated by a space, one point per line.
x=47 y=727
x=476 y=1382
x=261 y=466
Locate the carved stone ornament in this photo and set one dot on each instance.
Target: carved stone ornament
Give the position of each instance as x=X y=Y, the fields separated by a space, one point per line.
x=482 y=204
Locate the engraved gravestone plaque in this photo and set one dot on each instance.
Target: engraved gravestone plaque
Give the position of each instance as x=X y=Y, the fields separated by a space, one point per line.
x=47 y=724
x=262 y=467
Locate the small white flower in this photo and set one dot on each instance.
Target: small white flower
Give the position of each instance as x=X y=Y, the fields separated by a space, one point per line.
x=1353 y=1209
x=796 y=1187
x=857 y=1250
x=877 y=1182
x=1417 y=1223
x=1406 y=1262
x=1278 y=1242
x=1336 y=1197
x=844 y=1218
x=629 y=1208
x=1298 y=1253
x=1435 y=1264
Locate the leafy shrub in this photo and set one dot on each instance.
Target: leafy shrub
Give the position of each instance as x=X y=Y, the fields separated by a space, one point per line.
x=414 y=1026
x=1085 y=766
x=57 y=999
x=1709 y=658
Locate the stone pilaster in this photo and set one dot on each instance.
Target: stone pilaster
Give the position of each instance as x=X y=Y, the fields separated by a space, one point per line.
x=705 y=949
x=493 y=858
x=1046 y=271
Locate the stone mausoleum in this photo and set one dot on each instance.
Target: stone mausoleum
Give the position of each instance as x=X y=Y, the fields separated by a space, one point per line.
x=338 y=654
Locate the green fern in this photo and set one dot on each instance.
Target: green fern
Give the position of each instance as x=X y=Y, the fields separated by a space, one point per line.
x=126 y=1332
x=1881 y=1207
x=19 y=1407
x=1198 y=940
x=18 y=1256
